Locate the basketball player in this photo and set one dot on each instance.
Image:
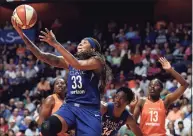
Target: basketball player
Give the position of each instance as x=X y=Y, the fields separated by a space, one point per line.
x=86 y=79
x=153 y=109
x=115 y=114
x=53 y=102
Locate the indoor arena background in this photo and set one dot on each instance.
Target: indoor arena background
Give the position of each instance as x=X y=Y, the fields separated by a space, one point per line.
x=132 y=35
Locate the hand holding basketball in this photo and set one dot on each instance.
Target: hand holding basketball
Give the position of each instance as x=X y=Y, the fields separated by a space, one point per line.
x=48 y=37
x=16 y=25
x=165 y=64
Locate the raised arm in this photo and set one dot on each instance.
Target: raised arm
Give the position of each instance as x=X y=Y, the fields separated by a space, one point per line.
x=89 y=64
x=170 y=98
x=46 y=109
x=133 y=126
x=51 y=59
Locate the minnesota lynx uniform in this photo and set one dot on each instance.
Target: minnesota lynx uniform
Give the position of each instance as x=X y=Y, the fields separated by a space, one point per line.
x=82 y=108
x=112 y=124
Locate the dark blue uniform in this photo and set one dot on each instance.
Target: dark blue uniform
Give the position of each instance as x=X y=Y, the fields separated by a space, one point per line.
x=112 y=124
x=82 y=108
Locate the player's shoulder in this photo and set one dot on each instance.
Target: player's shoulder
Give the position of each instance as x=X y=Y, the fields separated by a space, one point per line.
x=49 y=100
x=50 y=97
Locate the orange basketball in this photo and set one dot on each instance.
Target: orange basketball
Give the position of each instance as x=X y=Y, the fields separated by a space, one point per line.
x=25 y=16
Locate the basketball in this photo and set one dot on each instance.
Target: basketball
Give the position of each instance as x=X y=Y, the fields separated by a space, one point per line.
x=25 y=16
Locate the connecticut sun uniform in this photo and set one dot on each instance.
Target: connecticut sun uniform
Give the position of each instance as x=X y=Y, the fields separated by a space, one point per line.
x=57 y=103
x=153 y=116
x=112 y=124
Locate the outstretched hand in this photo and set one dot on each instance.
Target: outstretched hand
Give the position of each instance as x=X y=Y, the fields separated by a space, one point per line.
x=48 y=36
x=165 y=64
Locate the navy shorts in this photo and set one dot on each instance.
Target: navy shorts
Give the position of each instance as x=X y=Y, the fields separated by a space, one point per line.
x=86 y=121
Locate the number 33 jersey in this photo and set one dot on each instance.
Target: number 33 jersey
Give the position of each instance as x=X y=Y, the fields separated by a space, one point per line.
x=153 y=117
x=111 y=124
x=83 y=87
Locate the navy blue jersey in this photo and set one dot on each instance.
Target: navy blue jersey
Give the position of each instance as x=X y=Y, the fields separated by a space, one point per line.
x=112 y=124
x=83 y=87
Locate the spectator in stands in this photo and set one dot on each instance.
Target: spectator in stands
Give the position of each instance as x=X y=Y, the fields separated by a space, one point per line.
x=130 y=34
x=173 y=38
x=10 y=65
x=32 y=130
x=25 y=123
x=137 y=89
x=127 y=65
x=144 y=83
x=182 y=131
x=15 y=117
x=30 y=105
x=20 y=75
x=5 y=113
x=140 y=70
x=188 y=93
x=185 y=42
x=11 y=105
x=161 y=38
x=121 y=35
x=111 y=91
x=177 y=49
x=26 y=113
x=13 y=126
x=11 y=75
x=20 y=51
x=175 y=113
x=153 y=70
x=3 y=125
x=20 y=107
x=43 y=87
x=30 y=71
x=147 y=60
x=170 y=131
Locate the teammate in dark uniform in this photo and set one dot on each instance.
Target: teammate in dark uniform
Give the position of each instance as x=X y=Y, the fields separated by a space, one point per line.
x=86 y=79
x=116 y=114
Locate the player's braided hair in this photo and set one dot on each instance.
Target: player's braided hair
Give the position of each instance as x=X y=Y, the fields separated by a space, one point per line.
x=106 y=72
x=128 y=92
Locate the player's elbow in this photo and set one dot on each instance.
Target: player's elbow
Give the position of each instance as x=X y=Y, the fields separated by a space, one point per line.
x=185 y=84
x=77 y=66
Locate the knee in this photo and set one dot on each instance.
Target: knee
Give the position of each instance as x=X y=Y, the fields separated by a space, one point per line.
x=51 y=126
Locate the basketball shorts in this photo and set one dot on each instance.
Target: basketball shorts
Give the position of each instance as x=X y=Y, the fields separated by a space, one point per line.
x=85 y=119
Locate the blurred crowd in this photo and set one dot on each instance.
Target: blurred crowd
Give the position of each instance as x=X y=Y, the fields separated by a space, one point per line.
x=131 y=52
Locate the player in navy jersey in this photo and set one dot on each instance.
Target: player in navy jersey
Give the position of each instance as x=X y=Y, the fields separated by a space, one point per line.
x=86 y=79
x=115 y=114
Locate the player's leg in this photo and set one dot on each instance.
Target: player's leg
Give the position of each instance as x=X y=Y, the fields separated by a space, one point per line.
x=59 y=122
x=88 y=123
x=85 y=130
